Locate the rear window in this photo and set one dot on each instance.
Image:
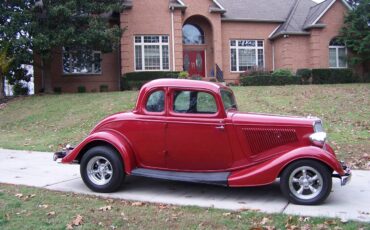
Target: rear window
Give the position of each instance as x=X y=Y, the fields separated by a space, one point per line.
x=155 y=102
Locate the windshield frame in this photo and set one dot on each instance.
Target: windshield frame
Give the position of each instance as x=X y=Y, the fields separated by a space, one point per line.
x=233 y=105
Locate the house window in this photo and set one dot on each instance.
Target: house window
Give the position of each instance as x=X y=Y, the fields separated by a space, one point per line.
x=246 y=54
x=337 y=54
x=151 y=53
x=75 y=62
x=192 y=35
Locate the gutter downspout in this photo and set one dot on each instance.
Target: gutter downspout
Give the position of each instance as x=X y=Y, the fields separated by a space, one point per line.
x=173 y=39
x=273 y=56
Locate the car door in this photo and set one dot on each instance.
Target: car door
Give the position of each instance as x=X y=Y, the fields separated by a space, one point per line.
x=196 y=136
x=148 y=130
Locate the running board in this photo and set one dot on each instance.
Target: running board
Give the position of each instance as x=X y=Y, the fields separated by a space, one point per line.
x=215 y=178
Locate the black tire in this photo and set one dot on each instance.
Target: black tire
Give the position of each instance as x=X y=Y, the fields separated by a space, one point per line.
x=111 y=174
x=306 y=190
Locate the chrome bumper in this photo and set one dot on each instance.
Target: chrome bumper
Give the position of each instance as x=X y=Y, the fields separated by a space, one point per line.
x=58 y=156
x=346 y=178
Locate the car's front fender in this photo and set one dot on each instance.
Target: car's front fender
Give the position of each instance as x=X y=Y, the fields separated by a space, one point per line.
x=110 y=137
x=267 y=171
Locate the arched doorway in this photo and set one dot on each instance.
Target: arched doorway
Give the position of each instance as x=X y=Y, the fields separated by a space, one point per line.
x=197 y=46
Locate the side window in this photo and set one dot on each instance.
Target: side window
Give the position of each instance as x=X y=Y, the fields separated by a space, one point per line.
x=155 y=102
x=194 y=102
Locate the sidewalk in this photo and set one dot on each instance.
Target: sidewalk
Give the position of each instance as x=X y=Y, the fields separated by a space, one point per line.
x=38 y=169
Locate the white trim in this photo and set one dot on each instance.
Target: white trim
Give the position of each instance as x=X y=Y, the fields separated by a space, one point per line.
x=273 y=32
x=93 y=52
x=142 y=44
x=218 y=4
x=337 y=57
x=205 y=64
x=327 y=8
x=181 y=2
x=273 y=56
x=173 y=42
x=255 y=48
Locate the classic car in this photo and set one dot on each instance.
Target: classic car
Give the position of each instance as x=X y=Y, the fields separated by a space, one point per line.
x=192 y=131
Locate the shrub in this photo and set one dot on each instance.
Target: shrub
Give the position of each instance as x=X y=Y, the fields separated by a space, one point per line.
x=20 y=89
x=183 y=75
x=282 y=73
x=81 y=89
x=103 y=88
x=305 y=75
x=196 y=77
x=135 y=80
x=57 y=90
x=256 y=71
x=333 y=76
x=268 y=80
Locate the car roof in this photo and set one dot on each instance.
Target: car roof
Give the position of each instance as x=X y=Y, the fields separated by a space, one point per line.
x=184 y=83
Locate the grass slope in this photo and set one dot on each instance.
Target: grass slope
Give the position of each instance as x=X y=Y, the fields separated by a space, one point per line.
x=45 y=122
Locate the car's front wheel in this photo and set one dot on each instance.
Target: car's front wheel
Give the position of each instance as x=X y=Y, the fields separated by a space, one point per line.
x=306 y=182
x=102 y=169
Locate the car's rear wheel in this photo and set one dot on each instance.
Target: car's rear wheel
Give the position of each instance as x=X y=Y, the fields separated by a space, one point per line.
x=306 y=182
x=102 y=169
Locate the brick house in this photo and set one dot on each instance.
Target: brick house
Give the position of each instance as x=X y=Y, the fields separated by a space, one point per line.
x=197 y=35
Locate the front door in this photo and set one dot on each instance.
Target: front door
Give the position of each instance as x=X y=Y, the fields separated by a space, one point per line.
x=194 y=63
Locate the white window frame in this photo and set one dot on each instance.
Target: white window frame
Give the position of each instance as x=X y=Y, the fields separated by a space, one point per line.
x=160 y=44
x=81 y=73
x=337 y=47
x=255 y=48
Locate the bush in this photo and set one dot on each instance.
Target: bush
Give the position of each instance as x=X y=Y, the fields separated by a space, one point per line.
x=333 y=76
x=183 y=75
x=103 y=88
x=135 y=80
x=81 y=89
x=20 y=89
x=305 y=75
x=57 y=90
x=256 y=72
x=282 y=73
x=268 y=80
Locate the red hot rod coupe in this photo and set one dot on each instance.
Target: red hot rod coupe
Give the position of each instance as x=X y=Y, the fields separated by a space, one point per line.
x=192 y=131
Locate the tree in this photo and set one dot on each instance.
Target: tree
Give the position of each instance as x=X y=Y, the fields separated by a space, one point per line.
x=5 y=63
x=356 y=33
x=42 y=28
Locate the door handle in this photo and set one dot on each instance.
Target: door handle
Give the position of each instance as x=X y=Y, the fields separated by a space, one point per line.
x=221 y=127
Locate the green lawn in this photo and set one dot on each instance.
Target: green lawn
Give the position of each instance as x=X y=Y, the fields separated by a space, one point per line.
x=24 y=207
x=46 y=122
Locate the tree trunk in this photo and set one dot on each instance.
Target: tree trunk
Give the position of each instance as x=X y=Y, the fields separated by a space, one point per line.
x=2 y=90
x=46 y=76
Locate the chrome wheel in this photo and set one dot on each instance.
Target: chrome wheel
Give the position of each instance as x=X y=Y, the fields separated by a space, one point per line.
x=305 y=183
x=99 y=170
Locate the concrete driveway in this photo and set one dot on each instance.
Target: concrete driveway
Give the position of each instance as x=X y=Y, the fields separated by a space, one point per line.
x=351 y=202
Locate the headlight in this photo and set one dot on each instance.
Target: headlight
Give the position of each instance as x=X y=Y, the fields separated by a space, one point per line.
x=317 y=126
x=318 y=139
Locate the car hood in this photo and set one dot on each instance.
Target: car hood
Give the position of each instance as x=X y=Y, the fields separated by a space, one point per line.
x=271 y=119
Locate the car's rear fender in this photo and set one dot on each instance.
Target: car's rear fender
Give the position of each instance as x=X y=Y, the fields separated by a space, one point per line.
x=105 y=137
x=267 y=171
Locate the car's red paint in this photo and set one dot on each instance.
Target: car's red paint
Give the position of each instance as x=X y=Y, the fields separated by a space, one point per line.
x=253 y=147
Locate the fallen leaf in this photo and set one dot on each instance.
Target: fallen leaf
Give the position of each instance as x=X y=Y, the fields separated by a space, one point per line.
x=69 y=227
x=269 y=227
x=137 y=204
x=52 y=213
x=264 y=221
x=43 y=206
x=78 y=220
x=19 y=195
x=226 y=213
x=306 y=227
x=105 y=208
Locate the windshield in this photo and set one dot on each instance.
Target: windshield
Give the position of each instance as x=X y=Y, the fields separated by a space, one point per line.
x=228 y=99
